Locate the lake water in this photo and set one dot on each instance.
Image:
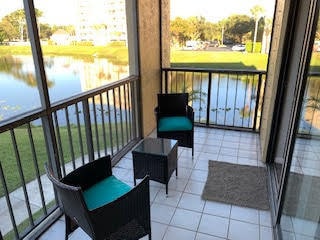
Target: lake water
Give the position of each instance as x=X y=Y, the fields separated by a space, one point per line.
x=232 y=100
x=66 y=76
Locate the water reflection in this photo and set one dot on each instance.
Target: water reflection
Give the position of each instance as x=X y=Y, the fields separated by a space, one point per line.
x=67 y=76
x=16 y=66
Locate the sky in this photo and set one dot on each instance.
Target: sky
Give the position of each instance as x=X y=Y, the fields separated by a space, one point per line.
x=63 y=11
x=216 y=10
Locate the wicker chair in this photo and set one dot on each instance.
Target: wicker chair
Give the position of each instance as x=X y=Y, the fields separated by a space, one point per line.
x=175 y=118
x=103 y=206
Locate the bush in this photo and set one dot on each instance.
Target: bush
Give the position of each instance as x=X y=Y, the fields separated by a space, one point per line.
x=258 y=47
x=82 y=43
x=117 y=43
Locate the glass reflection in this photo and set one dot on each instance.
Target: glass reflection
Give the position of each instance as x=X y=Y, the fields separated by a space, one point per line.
x=16 y=70
x=300 y=218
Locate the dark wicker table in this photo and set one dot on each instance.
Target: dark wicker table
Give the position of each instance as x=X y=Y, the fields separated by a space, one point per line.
x=156 y=157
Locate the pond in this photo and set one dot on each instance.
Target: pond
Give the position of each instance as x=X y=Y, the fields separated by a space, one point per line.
x=66 y=76
x=232 y=100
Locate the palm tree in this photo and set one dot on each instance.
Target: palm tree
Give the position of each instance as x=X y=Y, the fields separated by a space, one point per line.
x=257 y=12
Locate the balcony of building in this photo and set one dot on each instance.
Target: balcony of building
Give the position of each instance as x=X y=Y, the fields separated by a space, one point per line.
x=235 y=113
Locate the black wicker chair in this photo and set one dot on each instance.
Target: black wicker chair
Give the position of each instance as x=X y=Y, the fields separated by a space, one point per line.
x=103 y=206
x=175 y=119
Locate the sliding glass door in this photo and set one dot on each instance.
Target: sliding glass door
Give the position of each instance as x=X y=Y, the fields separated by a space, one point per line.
x=301 y=202
x=295 y=144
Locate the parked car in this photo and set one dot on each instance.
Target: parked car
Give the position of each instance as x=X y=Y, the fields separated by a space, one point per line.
x=239 y=47
x=316 y=46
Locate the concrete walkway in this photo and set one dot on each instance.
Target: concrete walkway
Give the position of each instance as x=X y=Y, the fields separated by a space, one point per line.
x=18 y=201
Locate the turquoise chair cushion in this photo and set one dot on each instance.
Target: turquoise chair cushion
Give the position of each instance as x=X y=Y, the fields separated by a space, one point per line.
x=104 y=192
x=178 y=123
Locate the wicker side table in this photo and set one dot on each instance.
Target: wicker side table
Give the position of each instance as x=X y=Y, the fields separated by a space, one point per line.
x=156 y=157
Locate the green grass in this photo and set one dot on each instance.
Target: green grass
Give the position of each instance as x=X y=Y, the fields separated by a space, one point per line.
x=221 y=60
x=119 y=55
x=116 y=54
x=11 y=166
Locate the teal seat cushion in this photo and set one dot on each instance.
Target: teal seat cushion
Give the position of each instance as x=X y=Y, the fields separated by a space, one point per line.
x=178 y=123
x=104 y=192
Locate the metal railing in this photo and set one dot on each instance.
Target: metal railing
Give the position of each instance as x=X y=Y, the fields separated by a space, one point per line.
x=310 y=115
x=67 y=135
x=221 y=98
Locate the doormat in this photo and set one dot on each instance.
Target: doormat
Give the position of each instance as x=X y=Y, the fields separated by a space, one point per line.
x=236 y=184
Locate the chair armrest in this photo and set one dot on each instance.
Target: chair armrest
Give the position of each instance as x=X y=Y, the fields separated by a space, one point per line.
x=90 y=173
x=190 y=113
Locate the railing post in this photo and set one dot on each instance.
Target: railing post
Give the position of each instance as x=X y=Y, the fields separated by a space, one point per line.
x=166 y=79
x=208 y=98
x=257 y=103
x=87 y=124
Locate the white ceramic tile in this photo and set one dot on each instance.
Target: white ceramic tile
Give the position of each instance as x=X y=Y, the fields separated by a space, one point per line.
x=182 y=173
x=229 y=151
x=245 y=214
x=172 y=199
x=178 y=184
x=194 y=187
x=202 y=164
x=241 y=230
x=56 y=231
x=201 y=236
x=217 y=208
x=153 y=192
x=191 y=202
x=226 y=158
x=247 y=161
x=179 y=233
x=157 y=230
x=265 y=233
x=211 y=149
x=214 y=225
x=79 y=234
x=199 y=175
x=186 y=162
x=161 y=213
x=186 y=219
x=265 y=218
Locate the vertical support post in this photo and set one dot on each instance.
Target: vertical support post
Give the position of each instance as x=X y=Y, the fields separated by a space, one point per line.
x=208 y=98
x=254 y=127
x=47 y=122
x=87 y=124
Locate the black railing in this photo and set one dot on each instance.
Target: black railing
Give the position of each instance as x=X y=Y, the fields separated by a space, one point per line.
x=220 y=98
x=67 y=135
x=310 y=115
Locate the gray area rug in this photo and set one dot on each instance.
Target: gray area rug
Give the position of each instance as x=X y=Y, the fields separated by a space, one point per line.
x=240 y=185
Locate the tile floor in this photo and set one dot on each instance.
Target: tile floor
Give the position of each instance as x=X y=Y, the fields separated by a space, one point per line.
x=183 y=214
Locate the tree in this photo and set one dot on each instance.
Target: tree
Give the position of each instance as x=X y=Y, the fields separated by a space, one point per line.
x=7 y=30
x=211 y=31
x=256 y=12
x=179 y=30
x=15 y=24
x=237 y=26
x=45 y=31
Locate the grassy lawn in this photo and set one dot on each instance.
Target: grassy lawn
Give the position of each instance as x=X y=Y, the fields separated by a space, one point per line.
x=220 y=60
x=116 y=54
x=8 y=158
x=202 y=59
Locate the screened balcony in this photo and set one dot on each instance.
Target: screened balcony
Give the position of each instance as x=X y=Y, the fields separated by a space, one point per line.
x=112 y=118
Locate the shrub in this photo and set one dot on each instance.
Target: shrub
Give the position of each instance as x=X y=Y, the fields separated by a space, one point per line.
x=258 y=47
